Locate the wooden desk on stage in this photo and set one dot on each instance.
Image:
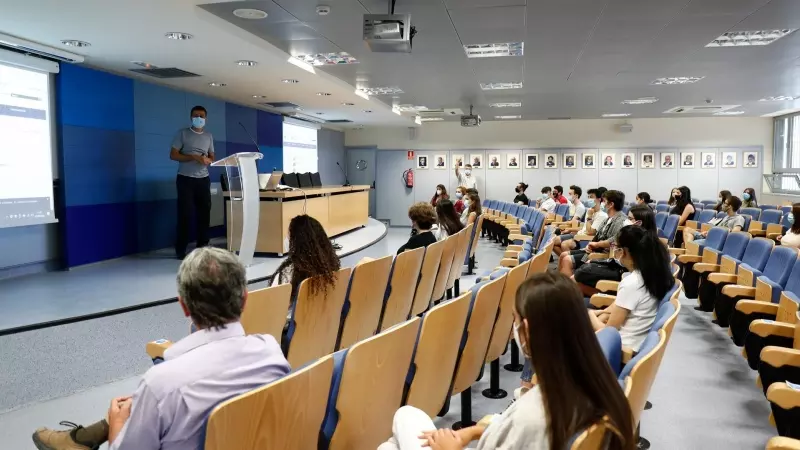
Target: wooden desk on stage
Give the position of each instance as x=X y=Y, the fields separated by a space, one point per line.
x=339 y=209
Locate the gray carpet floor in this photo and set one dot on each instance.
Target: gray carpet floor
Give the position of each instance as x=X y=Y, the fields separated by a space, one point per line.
x=704 y=396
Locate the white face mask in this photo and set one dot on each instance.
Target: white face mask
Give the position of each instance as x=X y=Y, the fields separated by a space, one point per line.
x=468 y=172
x=438 y=192
x=518 y=341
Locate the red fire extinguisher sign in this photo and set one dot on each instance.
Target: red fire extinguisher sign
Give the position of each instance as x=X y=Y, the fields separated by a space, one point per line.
x=411 y=155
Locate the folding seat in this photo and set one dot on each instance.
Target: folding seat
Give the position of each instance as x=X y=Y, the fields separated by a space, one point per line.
x=670 y=228
x=625 y=209
x=773 y=327
x=775 y=230
x=766 y=207
x=427 y=278
x=780 y=362
x=699 y=206
x=473 y=245
x=708 y=252
x=530 y=229
x=700 y=218
x=709 y=203
x=399 y=295
x=714 y=276
x=662 y=208
x=754 y=213
x=661 y=202
x=513 y=227
x=786 y=209
x=593 y=438
x=661 y=219
x=452 y=285
x=784 y=400
x=445 y=263
x=361 y=312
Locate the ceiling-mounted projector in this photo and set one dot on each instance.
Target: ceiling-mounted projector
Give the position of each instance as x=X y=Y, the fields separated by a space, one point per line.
x=389 y=33
x=470 y=120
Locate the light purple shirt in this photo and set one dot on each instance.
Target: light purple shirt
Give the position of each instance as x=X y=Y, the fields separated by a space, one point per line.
x=174 y=398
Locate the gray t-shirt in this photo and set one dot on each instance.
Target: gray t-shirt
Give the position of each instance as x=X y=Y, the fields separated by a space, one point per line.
x=731 y=222
x=190 y=142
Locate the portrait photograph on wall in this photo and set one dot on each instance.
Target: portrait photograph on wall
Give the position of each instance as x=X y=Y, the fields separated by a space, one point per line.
x=458 y=160
x=609 y=161
x=750 y=159
x=531 y=160
x=477 y=160
x=494 y=162
x=440 y=162
x=627 y=161
x=648 y=161
x=512 y=161
x=668 y=160
x=709 y=160
x=422 y=161
x=588 y=161
x=569 y=161
x=550 y=161
x=728 y=160
x=687 y=160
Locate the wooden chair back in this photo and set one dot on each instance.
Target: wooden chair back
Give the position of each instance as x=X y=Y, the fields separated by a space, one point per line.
x=437 y=351
x=365 y=300
x=269 y=417
x=448 y=253
x=787 y=310
x=265 y=310
x=402 y=286
x=643 y=375
x=316 y=320
x=797 y=331
x=462 y=247
x=593 y=438
x=670 y=323
x=540 y=260
x=479 y=332
x=371 y=388
x=478 y=228
x=427 y=278
x=505 y=315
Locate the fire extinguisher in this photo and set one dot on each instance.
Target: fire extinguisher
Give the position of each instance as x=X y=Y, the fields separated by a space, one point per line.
x=408 y=178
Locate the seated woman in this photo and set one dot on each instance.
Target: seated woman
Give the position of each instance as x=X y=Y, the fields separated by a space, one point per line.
x=723 y=195
x=639 y=293
x=552 y=329
x=749 y=198
x=681 y=205
x=792 y=236
x=423 y=217
x=448 y=220
x=461 y=191
x=441 y=194
x=643 y=198
x=472 y=204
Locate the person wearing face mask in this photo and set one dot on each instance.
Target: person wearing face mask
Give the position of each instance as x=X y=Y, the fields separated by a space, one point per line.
x=749 y=198
x=466 y=178
x=732 y=221
x=595 y=218
x=546 y=203
x=521 y=198
x=558 y=195
x=650 y=278
x=576 y=214
x=792 y=236
x=723 y=195
x=441 y=194
x=193 y=148
x=461 y=191
x=681 y=201
x=472 y=204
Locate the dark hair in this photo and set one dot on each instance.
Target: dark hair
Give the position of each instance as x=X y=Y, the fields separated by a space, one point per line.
x=724 y=196
x=310 y=255
x=681 y=203
x=650 y=257
x=577 y=385
x=524 y=186
x=474 y=203
x=615 y=197
x=796 y=213
x=444 y=189
x=448 y=217
x=645 y=215
x=423 y=214
x=735 y=202
x=644 y=196
x=577 y=190
x=546 y=189
x=558 y=188
x=198 y=108
x=752 y=193
x=472 y=191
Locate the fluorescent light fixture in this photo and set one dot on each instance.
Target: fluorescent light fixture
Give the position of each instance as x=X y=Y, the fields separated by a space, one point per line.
x=506 y=105
x=749 y=38
x=640 y=101
x=780 y=98
x=217 y=84
x=431 y=119
x=178 y=36
x=259 y=96
x=362 y=94
x=508 y=117
x=252 y=14
x=494 y=50
x=75 y=43
x=246 y=63
x=348 y=104
x=729 y=113
x=616 y=115
x=367 y=111
x=495 y=86
x=324 y=94
x=676 y=80
x=290 y=81
x=390 y=90
x=328 y=59
x=302 y=64
x=411 y=108
x=418 y=120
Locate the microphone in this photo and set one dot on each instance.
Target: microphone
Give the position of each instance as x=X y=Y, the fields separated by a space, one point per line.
x=251 y=137
x=346 y=181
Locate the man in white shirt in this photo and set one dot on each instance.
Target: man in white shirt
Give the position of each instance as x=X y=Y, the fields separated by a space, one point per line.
x=466 y=179
x=595 y=217
x=546 y=204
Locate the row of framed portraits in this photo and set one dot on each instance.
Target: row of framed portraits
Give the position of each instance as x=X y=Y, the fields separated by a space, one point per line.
x=666 y=160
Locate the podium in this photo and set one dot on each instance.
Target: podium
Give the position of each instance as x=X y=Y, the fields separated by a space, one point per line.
x=243 y=204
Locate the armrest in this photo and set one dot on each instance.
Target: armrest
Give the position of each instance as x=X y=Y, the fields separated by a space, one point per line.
x=594 y=256
x=514 y=248
x=156 y=349
x=773 y=236
x=692 y=224
x=728 y=265
x=692 y=248
x=757 y=233
x=627 y=354
x=602 y=300
x=706 y=227
x=607 y=286
x=779 y=356
x=739 y=291
x=513 y=227
x=764 y=328
x=782 y=395
x=676 y=251
x=706 y=267
x=718 y=278
x=509 y=262
x=583 y=237
x=755 y=306
x=689 y=259
x=511 y=254
x=570 y=231
x=782 y=443
x=519 y=237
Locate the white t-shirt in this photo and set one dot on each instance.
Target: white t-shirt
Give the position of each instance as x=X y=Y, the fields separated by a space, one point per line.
x=598 y=219
x=642 y=308
x=548 y=205
x=468 y=181
x=522 y=426
x=576 y=210
x=791 y=240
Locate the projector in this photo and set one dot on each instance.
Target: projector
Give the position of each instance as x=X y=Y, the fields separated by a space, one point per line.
x=471 y=120
x=388 y=33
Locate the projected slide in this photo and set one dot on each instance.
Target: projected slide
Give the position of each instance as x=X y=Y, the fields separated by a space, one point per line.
x=299 y=149
x=26 y=174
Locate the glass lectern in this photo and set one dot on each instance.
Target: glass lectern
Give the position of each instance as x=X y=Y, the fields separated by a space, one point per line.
x=242 y=200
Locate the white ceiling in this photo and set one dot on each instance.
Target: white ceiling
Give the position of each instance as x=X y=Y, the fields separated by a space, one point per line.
x=582 y=57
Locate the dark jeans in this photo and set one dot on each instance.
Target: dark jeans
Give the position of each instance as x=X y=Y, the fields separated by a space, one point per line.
x=192 y=193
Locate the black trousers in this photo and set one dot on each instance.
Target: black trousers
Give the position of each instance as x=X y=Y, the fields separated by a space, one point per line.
x=193 y=193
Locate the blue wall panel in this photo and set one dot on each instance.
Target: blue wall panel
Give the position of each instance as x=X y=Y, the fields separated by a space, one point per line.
x=99 y=232
x=90 y=98
x=158 y=109
x=236 y=115
x=156 y=223
x=270 y=129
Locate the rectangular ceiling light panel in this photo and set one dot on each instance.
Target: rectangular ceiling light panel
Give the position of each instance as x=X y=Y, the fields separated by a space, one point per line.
x=749 y=38
x=494 y=50
x=507 y=117
x=431 y=119
x=506 y=105
x=676 y=80
x=496 y=86
x=327 y=59
x=640 y=101
x=779 y=98
x=411 y=108
x=382 y=90
x=616 y=115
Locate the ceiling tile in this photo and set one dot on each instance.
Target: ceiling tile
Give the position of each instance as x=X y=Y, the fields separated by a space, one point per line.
x=452 y=4
x=502 y=24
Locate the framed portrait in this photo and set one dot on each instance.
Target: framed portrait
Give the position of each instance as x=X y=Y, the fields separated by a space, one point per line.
x=728 y=160
x=494 y=162
x=422 y=162
x=512 y=160
x=668 y=160
x=609 y=160
x=570 y=160
x=477 y=160
x=750 y=159
x=687 y=160
x=709 y=160
x=588 y=161
x=550 y=161
x=458 y=161
x=627 y=161
x=440 y=162
x=648 y=161
x=531 y=160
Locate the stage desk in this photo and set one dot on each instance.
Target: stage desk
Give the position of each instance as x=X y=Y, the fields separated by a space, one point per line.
x=338 y=208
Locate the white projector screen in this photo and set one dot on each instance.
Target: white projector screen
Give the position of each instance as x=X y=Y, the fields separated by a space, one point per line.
x=299 y=149
x=26 y=166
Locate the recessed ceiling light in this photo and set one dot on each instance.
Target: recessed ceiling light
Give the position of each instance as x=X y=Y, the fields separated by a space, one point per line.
x=676 y=80
x=327 y=59
x=749 y=38
x=780 y=98
x=319 y=113
x=494 y=50
x=298 y=108
x=616 y=115
x=431 y=119
x=246 y=63
x=75 y=43
x=324 y=94
x=640 y=101
x=411 y=108
x=146 y=65
x=290 y=81
x=217 y=84
x=506 y=105
x=247 y=13
x=508 y=117
x=367 y=111
x=178 y=36
x=494 y=86
x=259 y=96
x=729 y=113
x=348 y=104
x=382 y=90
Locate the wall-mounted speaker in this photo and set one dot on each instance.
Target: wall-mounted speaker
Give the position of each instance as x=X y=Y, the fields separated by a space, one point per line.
x=625 y=128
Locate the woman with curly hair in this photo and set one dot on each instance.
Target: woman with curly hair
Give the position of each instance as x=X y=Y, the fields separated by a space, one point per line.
x=423 y=217
x=311 y=255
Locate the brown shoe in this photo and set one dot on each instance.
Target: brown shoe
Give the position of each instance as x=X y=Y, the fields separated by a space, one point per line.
x=78 y=438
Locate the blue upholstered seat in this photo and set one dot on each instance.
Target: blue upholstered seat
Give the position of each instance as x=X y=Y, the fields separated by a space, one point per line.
x=661 y=219
x=705 y=216
x=649 y=344
x=773 y=216
x=662 y=207
x=670 y=227
x=611 y=344
x=755 y=213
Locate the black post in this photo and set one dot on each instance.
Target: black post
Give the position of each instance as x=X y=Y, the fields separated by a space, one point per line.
x=494 y=390
x=641 y=442
x=471 y=265
x=515 y=366
x=466 y=410
x=457 y=288
x=449 y=294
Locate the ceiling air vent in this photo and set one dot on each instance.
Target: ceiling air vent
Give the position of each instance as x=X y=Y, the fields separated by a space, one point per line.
x=703 y=109
x=443 y=112
x=339 y=121
x=279 y=105
x=165 y=72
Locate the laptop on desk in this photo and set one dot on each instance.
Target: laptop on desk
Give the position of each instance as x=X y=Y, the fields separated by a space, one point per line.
x=269 y=181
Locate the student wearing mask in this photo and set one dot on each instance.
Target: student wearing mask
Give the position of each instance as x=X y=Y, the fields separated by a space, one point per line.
x=792 y=236
x=749 y=198
x=558 y=195
x=723 y=195
x=448 y=220
x=546 y=203
x=650 y=279
x=459 y=204
x=441 y=194
x=576 y=389
x=576 y=213
x=681 y=201
x=732 y=221
x=423 y=217
x=643 y=198
x=521 y=198
x=472 y=204
x=595 y=218
x=466 y=178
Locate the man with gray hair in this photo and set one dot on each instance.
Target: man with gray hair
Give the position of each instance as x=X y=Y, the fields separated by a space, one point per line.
x=170 y=407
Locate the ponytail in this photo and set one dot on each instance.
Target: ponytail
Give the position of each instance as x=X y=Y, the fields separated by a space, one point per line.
x=650 y=257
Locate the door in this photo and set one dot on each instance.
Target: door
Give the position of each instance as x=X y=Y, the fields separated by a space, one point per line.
x=361 y=171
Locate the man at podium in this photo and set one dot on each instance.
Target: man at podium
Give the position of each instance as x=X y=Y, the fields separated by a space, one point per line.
x=193 y=148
